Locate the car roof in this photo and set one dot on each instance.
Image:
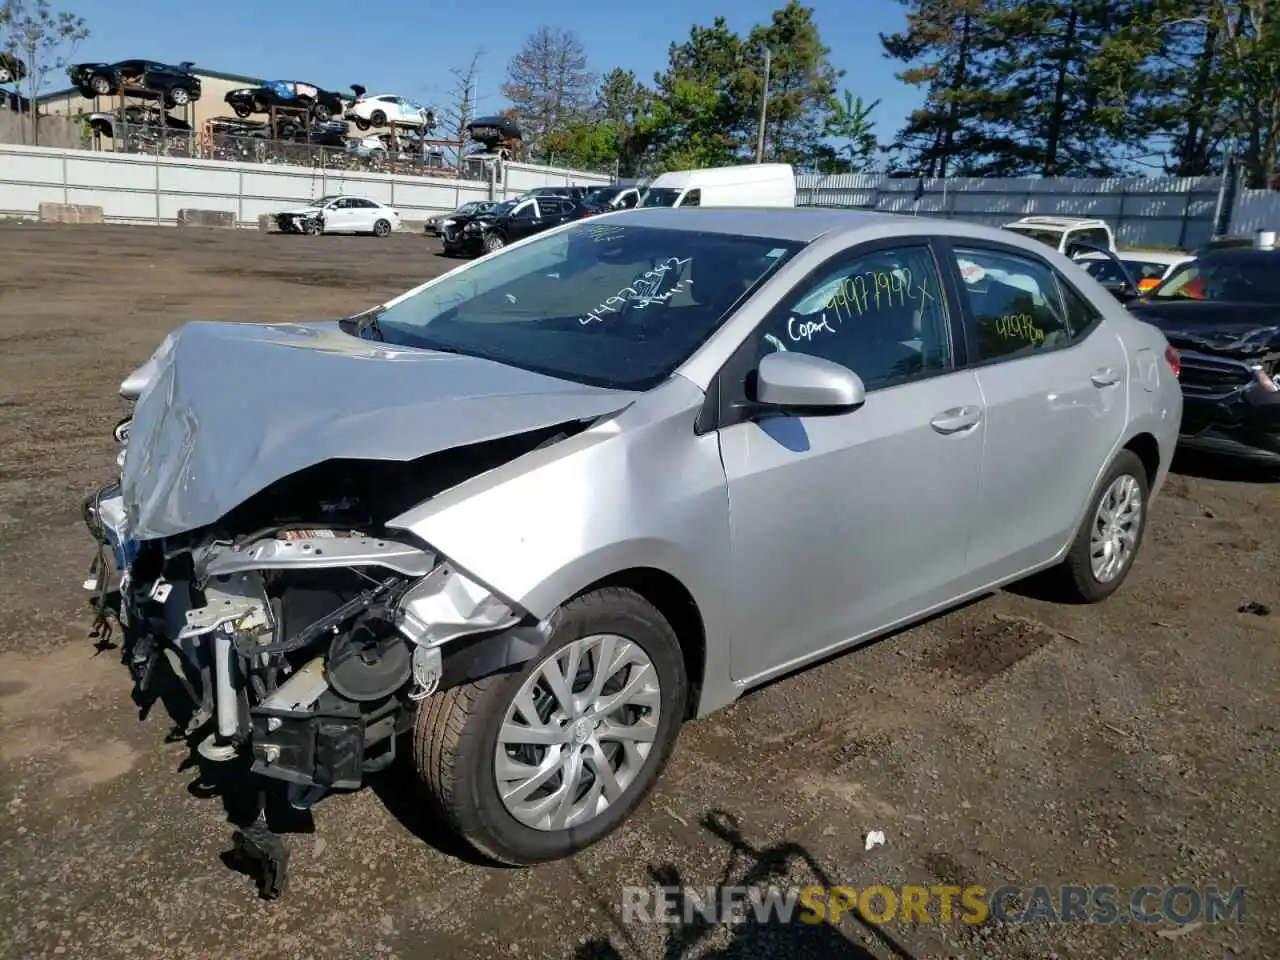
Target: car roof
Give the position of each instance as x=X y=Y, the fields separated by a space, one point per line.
x=805 y=224
x=1167 y=257
x=1061 y=223
x=1238 y=254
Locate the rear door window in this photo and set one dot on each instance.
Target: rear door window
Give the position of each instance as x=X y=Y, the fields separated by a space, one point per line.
x=1014 y=305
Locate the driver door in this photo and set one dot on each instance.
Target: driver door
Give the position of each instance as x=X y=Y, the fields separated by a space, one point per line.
x=846 y=524
x=338 y=217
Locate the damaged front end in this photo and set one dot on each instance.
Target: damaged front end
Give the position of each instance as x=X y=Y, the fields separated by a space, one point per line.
x=250 y=531
x=304 y=649
x=1231 y=388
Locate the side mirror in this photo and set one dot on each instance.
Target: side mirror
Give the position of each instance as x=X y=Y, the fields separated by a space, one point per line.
x=799 y=383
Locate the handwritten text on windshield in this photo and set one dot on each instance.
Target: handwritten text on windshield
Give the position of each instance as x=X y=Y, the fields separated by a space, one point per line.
x=642 y=291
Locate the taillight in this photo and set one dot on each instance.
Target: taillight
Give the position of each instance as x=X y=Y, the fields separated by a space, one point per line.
x=1174 y=359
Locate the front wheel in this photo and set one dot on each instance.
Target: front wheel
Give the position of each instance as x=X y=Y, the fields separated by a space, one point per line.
x=361 y=123
x=539 y=763
x=382 y=228
x=378 y=118
x=179 y=97
x=242 y=111
x=493 y=242
x=321 y=113
x=1103 y=551
x=100 y=85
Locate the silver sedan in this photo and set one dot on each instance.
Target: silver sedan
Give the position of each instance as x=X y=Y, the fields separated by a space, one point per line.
x=543 y=509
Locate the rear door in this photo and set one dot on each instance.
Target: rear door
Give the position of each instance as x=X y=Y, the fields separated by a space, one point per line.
x=1054 y=382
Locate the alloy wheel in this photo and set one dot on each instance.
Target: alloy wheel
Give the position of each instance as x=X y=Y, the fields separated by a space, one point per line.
x=578 y=733
x=1116 y=524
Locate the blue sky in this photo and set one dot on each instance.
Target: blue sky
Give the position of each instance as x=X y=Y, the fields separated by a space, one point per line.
x=409 y=46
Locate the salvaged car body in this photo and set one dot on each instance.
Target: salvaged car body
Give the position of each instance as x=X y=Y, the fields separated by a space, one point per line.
x=533 y=511
x=1221 y=312
x=176 y=85
x=12 y=68
x=322 y=105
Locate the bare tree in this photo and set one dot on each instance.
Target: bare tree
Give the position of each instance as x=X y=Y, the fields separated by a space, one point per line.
x=460 y=107
x=548 y=83
x=45 y=40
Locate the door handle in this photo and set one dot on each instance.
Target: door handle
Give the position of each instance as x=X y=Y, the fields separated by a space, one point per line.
x=956 y=420
x=1106 y=377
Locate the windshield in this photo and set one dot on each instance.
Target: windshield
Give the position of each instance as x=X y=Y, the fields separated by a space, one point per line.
x=612 y=306
x=1051 y=238
x=659 y=197
x=1242 y=281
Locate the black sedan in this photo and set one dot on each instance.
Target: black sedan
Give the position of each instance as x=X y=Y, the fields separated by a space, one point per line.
x=1222 y=312
x=146 y=79
x=493 y=229
x=289 y=94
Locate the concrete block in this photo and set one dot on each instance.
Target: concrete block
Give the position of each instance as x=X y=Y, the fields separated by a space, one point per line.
x=206 y=218
x=70 y=213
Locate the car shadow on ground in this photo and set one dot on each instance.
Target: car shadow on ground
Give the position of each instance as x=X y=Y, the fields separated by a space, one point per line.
x=1226 y=469
x=755 y=868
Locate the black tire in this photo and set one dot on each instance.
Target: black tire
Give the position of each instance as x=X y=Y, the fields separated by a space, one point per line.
x=382 y=228
x=241 y=110
x=455 y=735
x=378 y=118
x=361 y=123
x=178 y=97
x=100 y=84
x=492 y=242
x=5 y=76
x=1074 y=576
x=321 y=113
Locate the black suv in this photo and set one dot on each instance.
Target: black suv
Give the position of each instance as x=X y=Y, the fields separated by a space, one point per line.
x=145 y=79
x=493 y=229
x=291 y=94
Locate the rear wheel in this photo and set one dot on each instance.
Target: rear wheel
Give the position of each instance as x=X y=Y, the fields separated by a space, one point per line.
x=538 y=763
x=1103 y=551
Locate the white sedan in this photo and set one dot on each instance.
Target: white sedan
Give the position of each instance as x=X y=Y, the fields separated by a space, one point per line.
x=389 y=110
x=340 y=214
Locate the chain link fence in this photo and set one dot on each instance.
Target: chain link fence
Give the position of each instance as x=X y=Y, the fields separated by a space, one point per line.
x=377 y=154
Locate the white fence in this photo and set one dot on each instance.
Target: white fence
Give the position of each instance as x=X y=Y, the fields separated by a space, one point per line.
x=1169 y=211
x=146 y=189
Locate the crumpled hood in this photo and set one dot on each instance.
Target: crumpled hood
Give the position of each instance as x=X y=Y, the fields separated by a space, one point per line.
x=229 y=408
x=1231 y=329
x=298 y=212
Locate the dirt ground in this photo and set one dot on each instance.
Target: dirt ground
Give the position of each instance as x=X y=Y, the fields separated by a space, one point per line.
x=1015 y=741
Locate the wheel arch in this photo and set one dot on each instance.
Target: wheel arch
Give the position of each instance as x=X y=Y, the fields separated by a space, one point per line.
x=670 y=597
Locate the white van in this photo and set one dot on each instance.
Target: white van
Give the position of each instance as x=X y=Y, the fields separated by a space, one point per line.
x=748 y=185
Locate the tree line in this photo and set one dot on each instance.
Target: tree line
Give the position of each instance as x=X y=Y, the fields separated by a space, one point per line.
x=1065 y=88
